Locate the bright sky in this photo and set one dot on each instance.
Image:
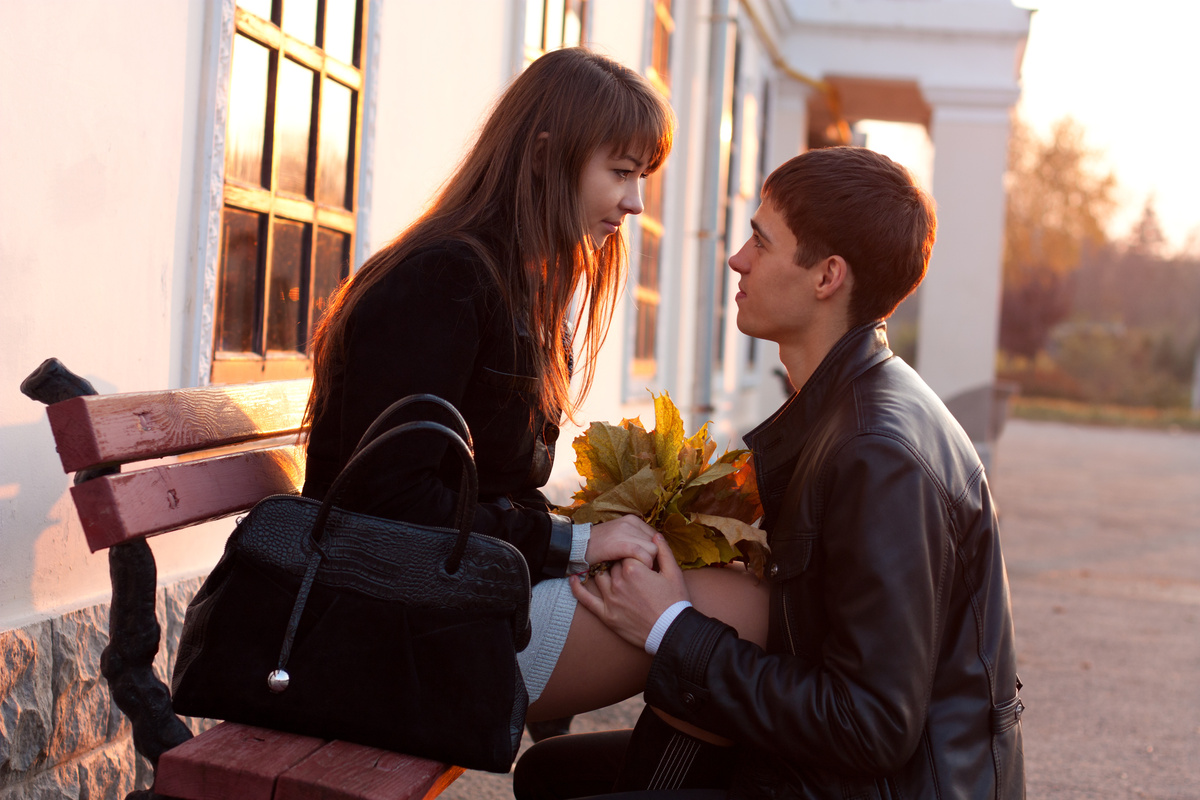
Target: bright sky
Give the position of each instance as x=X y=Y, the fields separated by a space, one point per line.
x=1129 y=73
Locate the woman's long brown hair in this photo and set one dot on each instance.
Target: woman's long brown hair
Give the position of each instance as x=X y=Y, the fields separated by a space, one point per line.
x=525 y=187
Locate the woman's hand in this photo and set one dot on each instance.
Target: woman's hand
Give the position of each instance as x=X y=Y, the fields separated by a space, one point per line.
x=629 y=598
x=624 y=537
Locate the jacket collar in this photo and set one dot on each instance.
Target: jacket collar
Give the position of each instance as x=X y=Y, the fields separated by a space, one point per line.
x=779 y=440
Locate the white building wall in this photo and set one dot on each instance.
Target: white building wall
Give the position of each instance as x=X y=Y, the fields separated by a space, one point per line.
x=437 y=79
x=98 y=154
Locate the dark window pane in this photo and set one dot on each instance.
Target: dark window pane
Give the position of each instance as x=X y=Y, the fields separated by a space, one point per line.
x=340 y=24
x=336 y=108
x=332 y=266
x=293 y=126
x=652 y=196
x=237 y=306
x=247 y=111
x=648 y=266
x=287 y=300
x=300 y=19
x=647 y=331
x=260 y=7
x=535 y=18
x=647 y=296
x=660 y=52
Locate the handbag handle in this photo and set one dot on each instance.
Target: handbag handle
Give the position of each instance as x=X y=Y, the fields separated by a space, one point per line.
x=386 y=414
x=468 y=494
x=279 y=679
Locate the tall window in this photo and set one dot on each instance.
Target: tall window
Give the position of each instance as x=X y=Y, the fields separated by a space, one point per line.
x=551 y=24
x=647 y=295
x=288 y=218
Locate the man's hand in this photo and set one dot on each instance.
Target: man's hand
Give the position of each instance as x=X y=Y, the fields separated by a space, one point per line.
x=625 y=537
x=630 y=597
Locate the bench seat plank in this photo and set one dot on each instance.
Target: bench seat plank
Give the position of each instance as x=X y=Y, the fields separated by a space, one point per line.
x=231 y=760
x=345 y=771
x=117 y=508
x=110 y=429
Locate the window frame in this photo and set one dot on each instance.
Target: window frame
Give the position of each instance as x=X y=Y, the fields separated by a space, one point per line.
x=202 y=362
x=530 y=52
x=642 y=366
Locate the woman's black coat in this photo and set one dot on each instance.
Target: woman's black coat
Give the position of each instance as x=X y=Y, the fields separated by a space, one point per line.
x=437 y=323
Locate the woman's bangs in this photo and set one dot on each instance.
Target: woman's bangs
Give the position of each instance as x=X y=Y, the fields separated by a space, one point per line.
x=644 y=127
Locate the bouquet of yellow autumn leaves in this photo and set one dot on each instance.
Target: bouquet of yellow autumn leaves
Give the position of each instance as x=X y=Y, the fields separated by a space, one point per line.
x=705 y=510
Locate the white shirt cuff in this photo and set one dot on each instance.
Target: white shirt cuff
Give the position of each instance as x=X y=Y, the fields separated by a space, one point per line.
x=664 y=621
x=581 y=534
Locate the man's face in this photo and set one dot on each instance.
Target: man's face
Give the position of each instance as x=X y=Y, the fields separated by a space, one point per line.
x=774 y=298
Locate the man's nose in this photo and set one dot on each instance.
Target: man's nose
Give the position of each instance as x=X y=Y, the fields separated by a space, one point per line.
x=737 y=261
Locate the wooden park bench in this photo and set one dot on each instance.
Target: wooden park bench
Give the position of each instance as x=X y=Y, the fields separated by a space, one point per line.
x=237 y=445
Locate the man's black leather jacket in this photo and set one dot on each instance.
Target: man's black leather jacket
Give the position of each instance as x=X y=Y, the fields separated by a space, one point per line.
x=890 y=670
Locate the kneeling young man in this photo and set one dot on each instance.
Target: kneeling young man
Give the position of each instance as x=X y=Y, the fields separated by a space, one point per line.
x=890 y=669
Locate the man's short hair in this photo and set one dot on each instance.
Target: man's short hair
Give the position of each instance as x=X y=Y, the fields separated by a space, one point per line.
x=862 y=206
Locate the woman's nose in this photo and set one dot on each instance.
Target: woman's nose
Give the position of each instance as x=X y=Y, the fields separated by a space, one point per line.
x=631 y=203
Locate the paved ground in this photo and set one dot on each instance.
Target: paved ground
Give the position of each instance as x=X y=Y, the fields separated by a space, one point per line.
x=1102 y=537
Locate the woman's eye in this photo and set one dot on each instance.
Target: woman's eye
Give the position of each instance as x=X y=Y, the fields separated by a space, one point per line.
x=623 y=173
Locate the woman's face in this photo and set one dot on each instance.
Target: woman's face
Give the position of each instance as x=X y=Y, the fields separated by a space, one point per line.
x=610 y=188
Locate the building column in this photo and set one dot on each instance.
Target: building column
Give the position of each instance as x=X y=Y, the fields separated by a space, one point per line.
x=787 y=120
x=960 y=299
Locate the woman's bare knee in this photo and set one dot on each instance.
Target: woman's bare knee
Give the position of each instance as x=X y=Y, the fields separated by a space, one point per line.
x=595 y=669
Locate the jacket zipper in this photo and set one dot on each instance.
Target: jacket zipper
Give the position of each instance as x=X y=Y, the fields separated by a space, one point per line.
x=787 y=620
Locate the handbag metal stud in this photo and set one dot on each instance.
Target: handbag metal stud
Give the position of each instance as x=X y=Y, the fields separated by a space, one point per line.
x=278 y=680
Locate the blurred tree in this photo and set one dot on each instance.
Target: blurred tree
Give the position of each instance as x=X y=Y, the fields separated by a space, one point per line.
x=1146 y=238
x=1058 y=201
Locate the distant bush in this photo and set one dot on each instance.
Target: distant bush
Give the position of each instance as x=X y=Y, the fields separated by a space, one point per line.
x=1107 y=363
x=1038 y=377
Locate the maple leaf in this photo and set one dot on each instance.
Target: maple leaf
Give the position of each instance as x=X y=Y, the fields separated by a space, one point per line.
x=706 y=510
x=638 y=495
x=668 y=436
x=690 y=542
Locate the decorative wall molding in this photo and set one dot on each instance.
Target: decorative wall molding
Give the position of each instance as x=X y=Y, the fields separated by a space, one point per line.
x=210 y=184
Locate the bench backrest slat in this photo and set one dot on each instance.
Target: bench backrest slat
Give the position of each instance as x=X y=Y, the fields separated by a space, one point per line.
x=117 y=508
x=114 y=429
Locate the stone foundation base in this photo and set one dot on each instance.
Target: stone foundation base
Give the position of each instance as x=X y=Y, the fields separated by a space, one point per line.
x=61 y=736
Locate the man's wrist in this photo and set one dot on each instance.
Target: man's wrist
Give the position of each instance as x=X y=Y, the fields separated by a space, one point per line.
x=659 y=630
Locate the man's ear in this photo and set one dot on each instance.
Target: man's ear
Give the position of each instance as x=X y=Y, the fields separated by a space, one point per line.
x=832 y=276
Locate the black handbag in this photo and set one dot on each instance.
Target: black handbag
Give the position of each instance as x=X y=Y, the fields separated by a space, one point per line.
x=394 y=635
